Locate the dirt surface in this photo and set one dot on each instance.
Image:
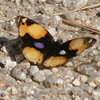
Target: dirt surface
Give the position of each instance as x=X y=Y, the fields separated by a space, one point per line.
x=78 y=79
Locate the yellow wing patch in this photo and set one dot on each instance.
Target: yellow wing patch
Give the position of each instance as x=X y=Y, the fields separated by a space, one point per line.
x=76 y=44
x=35 y=30
x=33 y=55
x=54 y=61
x=81 y=49
x=79 y=45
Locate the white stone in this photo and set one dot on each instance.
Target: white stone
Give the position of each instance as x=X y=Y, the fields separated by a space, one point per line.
x=69 y=64
x=98 y=64
x=54 y=70
x=18 y=2
x=95 y=52
x=92 y=84
x=14 y=90
x=77 y=98
x=4 y=49
x=76 y=82
x=58 y=82
x=96 y=93
x=84 y=78
x=42 y=0
x=10 y=63
x=58 y=18
x=22 y=76
x=98 y=47
x=28 y=80
x=39 y=76
x=86 y=99
x=33 y=69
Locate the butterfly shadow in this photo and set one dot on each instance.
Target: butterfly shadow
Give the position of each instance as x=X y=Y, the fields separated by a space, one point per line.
x=14 y=50
x=12 y=46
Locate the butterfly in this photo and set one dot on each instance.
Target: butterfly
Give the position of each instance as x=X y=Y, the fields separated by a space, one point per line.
x=39 y=47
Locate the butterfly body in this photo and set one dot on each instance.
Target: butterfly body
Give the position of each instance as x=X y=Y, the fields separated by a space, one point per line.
x=39 y=46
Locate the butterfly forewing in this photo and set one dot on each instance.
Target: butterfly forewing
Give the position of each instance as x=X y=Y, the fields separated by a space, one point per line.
x=36 y=41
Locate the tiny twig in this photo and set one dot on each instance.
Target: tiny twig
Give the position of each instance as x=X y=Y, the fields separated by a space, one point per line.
x=81 y=26
x=88 y=7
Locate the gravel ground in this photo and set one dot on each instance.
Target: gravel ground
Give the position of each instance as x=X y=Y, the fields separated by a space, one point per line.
x=78 y=79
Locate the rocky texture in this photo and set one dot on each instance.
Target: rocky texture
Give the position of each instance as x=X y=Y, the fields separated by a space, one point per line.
x=21 y=80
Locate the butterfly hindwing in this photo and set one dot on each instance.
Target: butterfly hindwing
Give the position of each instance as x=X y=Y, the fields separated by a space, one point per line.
x=39 y=46
x=69 y=49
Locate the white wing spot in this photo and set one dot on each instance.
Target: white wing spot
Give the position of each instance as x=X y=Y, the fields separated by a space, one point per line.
x=62 y=52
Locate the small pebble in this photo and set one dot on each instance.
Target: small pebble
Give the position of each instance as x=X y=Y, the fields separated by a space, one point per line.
x=33 y=69
x=18 y=74
x=92 y=84
x=58 y=18
x=98 y=64
x=77 y=98
x=47 y=72
x=4 y=49
x=97 y=58
x=17 y=2
x=66 y=3
x=10 y=63
x=65 y=91
x=49 y=82
x=95 y=52
x=41 y=75
x=58 y=1
x=99 y=48
x=69 y=64
x=28 y=80
x=58 y=82
x=10 y=15
x=25 y=64
x=22 y=76
x=69 y=15
x=85 y=99
x=97 y=93
x=22 y=99
x=83 y=78
x=2 y=84
x=76 y=82
x=19 y=57
x=14 y=90
x=42 y=0
x=86 y=69
x=55 y=70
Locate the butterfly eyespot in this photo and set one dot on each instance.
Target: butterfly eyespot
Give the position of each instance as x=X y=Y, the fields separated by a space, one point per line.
x=39 y=47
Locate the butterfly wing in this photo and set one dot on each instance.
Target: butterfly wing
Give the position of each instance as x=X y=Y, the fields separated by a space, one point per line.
x=36 y=40
x=67 y=50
